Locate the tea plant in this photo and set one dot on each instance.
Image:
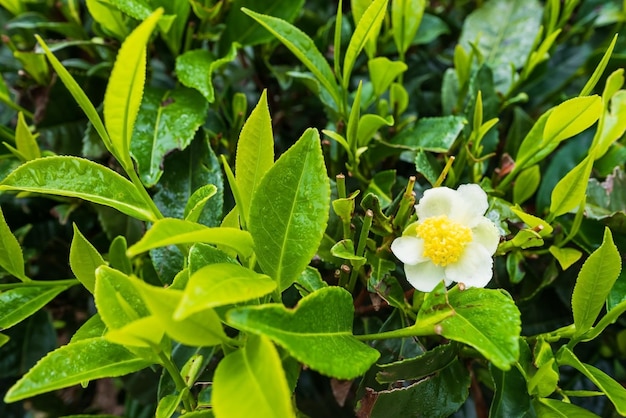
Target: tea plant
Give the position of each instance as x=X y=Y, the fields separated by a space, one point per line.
x=423 y=211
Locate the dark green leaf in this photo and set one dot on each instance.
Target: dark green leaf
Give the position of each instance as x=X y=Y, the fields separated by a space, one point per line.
x=167 y=120
x=435 y=134
x=419 y=367
x=511 y=397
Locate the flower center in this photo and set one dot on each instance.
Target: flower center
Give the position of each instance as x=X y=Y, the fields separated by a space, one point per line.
x=444 y=239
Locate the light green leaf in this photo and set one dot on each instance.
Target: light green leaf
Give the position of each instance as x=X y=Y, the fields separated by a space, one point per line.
x=79 y=95
x=25 y=141
x=197 y=202
x=552 y=408
x=303 y=47
x=221 y=284
x=169 y=231
x=317 y=332
x=473 y=324
x=367 y=27
x=195 y=69
x=143 y=332
x=290 y=209
x=572 y=117
x=167 y=120
x=594 y=282
x=197 y=329
x=597 y=73
x=383 y=71
x=569 y=192
x=533 y=222
x=123 y=95
x=344 y=249
x=255 y=152
x=108 y=17
x=4 y=339
x=612 y=389
x=11 y=257
x=406 y=16
x=504 y=32
x=526 y=184
x=565 y=256
x=75 y=363
x=81 y=178
x=84 y=260
x=368 y=126
x=613 y=125
x=242 y=379
x=92 y=328
x=15 y=7
x=21 y=302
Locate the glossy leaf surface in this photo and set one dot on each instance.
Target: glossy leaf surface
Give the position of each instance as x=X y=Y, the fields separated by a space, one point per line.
x=11 y=257
x=84 y=260
x=318 y=332
x=80 y=178
x=289 y=210
x=85 y=360
x=20 y=303
x=167 y=120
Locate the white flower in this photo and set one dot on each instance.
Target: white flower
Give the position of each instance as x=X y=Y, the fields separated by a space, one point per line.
x=451 y=240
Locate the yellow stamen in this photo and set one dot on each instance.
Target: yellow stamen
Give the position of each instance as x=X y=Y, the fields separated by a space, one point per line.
x=444 y=239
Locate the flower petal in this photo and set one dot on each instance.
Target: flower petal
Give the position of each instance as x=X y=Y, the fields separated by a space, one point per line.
x=424 y=276
x=486 y=234
x=436 y=202
x=472 y=205
x=408 y=249
x=474 y=268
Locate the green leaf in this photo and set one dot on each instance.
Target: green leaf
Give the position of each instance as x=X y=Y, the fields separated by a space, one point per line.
x=511 y=397
x=572 y=117
x=202 y=255
x=167 y=120
x=185 y=174
x=367 y=27
x=195 y=69
x=221 y=284
x=4 y=339
x=75 y=363
x=526 y=184
x=11 y=257
x=25 y=141
x=239 y=29
x=612 y=389
x=552 y=408
x=255 y=152
x=197 y=329
x=569 y=192
x=84 y=260
x=597 y=73
x=242 y=380
x=419 y=367
x=197 y=201
x=317 y=332
x=438 y=396
x=613 y=125
x=168 y=231
x=290 y=209
x=108 y=17
x=565 y=256
x=303 y=47
x=92 y=328
x=594 y=282
x=123 y=95
x=21 y=302
x=435 y=134
x=368 y=126
x=78 y=94
x=504 y=32
x=425 y=165
x=81 y=178
x=383 y=71
x=473 y=323
x=406 y=16
x=344 y=249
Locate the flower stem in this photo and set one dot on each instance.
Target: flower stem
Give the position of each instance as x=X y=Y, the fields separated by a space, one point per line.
x=407 y=201
x=360 y=250
x=421 y=328
x=40 y=283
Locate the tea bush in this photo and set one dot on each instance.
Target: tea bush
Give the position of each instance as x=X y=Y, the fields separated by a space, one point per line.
x=251 y=208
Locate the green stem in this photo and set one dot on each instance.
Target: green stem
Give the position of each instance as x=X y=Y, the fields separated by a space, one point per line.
x=134 y=178
x=360 y=250
x=420 y=329
x=408 y=200
x=40 y=283
x=188 y=401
